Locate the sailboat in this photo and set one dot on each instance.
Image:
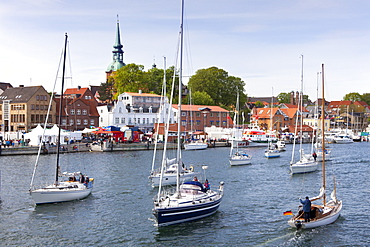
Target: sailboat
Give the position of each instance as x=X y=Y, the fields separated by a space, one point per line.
x=73 y=186
x=306 y=163
x=194 y=144
x=168 y=175
x=272 y=150
x=237 y=157
x=192 y=200
x=328 y=212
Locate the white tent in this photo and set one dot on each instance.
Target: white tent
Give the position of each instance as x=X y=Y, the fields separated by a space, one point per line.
x=51 y=135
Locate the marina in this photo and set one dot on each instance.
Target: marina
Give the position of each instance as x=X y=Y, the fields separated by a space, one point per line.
x=119 y=210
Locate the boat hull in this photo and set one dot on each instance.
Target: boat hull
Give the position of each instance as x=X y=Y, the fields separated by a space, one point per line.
x=56 y=194
x=272 y=154
x=238 y=161
x=195 y=146
x=303 y=167
x=177 y=215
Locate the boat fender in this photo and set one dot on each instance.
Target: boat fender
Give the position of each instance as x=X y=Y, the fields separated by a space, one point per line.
x=191 y=168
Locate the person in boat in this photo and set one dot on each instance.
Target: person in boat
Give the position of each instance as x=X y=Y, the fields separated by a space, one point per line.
x=306 y=209
x=82 y=179
x=195 y=179
x=206 y=185
x=314 y=155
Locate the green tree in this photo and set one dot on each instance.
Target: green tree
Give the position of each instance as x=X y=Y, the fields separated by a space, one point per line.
x=259 y=104
x=198 y=98
x=352 y=97
x=284 y=97
x=130 y=78
x=216 y=82
x=366 y=98
x=106 y=90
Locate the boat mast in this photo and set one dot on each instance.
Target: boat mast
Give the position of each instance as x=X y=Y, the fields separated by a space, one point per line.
x=323 y=139
x=179 y=161
x=300 y=107
x=60 y=109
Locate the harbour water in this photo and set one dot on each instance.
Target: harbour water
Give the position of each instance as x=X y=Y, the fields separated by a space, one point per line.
x=118 y=213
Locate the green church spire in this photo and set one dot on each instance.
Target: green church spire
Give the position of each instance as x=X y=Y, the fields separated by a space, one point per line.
x=117 y=62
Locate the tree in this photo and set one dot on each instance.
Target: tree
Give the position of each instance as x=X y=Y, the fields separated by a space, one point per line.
x=284 y=97
x=106 y=90
x=259 y=104
x=130 y=78
x=199 y=98
x=366 y=98
x=352 y=97
x=216 y=82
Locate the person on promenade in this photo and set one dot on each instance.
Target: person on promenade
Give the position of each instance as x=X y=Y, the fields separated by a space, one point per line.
x=306 y=209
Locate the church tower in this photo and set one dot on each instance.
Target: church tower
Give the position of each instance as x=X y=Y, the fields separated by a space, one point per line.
x=117 y=62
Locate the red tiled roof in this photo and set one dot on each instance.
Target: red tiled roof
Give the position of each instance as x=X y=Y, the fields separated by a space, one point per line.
x=195 y=108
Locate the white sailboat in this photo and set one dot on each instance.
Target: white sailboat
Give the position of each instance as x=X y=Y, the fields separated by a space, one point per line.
x=306 y=163
x=329 y=211
x=272 y=150
x=73 y=186
x=237 y=157
x=192 y=200
x=168 y=175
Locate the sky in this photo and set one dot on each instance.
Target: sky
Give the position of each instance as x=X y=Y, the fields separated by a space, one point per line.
x=259 y=41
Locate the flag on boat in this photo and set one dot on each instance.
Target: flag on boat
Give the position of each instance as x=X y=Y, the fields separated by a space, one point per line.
x=288 y=212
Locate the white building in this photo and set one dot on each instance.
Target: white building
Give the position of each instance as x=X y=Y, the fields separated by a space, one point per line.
x=141 y=110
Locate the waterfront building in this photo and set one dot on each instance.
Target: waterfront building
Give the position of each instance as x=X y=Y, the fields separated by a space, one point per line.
x=79 y=109
x=23 y=108
x=142 y=110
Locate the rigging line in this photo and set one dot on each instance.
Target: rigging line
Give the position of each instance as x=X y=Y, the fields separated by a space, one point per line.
x=46 y=121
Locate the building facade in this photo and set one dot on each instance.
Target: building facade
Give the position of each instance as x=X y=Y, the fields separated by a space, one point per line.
x=23 y=108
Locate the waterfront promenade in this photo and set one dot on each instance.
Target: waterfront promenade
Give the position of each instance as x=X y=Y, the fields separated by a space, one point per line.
x=94 y=147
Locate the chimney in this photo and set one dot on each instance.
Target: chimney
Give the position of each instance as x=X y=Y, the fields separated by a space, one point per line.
x=296 y=98
x=292 y=97
x=79 y=87
x=140 y=92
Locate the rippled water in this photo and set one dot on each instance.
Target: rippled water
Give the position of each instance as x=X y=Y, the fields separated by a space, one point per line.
x=118 y=213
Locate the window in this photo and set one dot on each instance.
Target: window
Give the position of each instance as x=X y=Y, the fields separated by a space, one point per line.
x=72 y=111
x=78 y=121
x=120 y=110
x=183 y=123
x=37 y=107
x=71 y=122
x=116 y=120
x=84 y=112
x=37 y=97
x=123 y=120
x=198 y=114
x=64 y=122
x=92 y=122
x=86 y=122
x=101 y=119
x=183 y=114
x=143 y=120
x=129 y=120
x=224 y=114
x=32 y=107
x=138 y=120
x=78 y=112
x=211 y=114
x=153 y=120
